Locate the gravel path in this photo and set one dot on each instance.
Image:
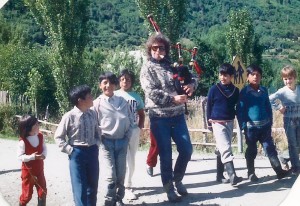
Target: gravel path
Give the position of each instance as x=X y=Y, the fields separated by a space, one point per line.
x=199 y=179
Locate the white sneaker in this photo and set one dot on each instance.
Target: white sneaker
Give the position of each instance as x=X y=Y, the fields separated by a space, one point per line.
x=129 y=195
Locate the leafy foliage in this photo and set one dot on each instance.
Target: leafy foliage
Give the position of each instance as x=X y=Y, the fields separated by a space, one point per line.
x=66 y=25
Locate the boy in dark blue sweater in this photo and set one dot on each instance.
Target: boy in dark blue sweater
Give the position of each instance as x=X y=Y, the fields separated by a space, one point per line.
x=221 y=102
x=255 y=117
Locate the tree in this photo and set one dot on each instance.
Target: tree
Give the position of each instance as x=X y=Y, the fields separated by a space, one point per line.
x=169 y=14
x=66 y=25
x=240 y=35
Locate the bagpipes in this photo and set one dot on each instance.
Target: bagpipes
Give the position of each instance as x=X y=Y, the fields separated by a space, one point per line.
x=181 y=73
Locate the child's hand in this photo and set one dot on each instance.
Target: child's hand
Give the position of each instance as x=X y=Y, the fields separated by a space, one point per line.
x=39 y=156
x=282 y=110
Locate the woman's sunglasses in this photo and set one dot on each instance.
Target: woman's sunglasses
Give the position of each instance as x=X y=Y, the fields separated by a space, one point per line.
x=161 y=48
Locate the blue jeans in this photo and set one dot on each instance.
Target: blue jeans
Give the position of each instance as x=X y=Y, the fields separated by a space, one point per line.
x=292 y=131
x=113 y=154
x=84 y=172
x=264 y=136
x=163 y=130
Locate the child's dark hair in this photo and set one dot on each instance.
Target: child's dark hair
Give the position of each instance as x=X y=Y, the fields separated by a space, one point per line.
x=79 y=92
x=129 y=73
x=112 y=78
x=26 y=123
x=252 y=68
x=227 y=68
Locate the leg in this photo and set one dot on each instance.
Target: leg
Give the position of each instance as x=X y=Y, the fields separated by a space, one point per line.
x=220 y=168
x=78 y=175
x=251 y=136
x=41 y=189
x=121 y=147
x=92 y=175
x=27 y=187
x=267 y=141
x=223 y=134
x=107 y=156
x=133 y=146
x=161 y=128
x=292 y=131
x=152 y=155
x=181 y=137
x=153 y=151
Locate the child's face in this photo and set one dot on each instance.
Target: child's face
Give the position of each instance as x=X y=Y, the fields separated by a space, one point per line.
x=87 y=102
x=107 y=87
x=35 y=129
x=225 y=78
x=125 y=82
x=290 y=82
x=254 y=78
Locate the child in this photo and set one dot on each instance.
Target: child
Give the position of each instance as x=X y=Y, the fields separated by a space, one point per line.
x=221 y=102
x=32 y=151
x=289 y=105
x=255 y=117
x=116 y=121
x=78 y=135
x=126 y=81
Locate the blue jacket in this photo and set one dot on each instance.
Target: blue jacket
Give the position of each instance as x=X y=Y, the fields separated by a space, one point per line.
x=254 y=108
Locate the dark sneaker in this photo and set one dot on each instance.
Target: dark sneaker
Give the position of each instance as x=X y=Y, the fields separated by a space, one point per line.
x=253 y=177
x=173 y=197
x=282 y=174
x=222 y=179
x=235 y=179
x=120 y=203
x=181 y=189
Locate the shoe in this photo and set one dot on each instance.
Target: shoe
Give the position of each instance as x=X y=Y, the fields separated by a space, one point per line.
x=173 y=197
x=222 y=180
x=129 y=195
x=120 y=203
x=235 y=179
x=253 y=177
x=150 y=171
x=181 y=189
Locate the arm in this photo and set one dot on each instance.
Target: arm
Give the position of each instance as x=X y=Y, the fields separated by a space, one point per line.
x=241 y=111
x=209 y=107
x=61 y=134
x=276 y=103
x=141 y=114
x=21 y=153
x=269 y=107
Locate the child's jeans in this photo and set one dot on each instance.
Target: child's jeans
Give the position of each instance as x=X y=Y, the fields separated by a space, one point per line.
x=84 y=172
x=113 y=159
x=264 y=136
x=292 y=131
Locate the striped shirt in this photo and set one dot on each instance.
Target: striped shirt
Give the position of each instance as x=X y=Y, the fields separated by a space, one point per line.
x=77 y=128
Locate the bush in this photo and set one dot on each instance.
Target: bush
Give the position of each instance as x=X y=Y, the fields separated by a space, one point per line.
x=8 y=120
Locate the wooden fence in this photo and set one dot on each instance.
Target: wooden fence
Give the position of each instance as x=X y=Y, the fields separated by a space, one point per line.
x=196 y=122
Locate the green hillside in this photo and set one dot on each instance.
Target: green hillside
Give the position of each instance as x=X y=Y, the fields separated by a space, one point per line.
x=117 y=22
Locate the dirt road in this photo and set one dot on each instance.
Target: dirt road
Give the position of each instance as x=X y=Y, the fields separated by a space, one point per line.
x=199 y=179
